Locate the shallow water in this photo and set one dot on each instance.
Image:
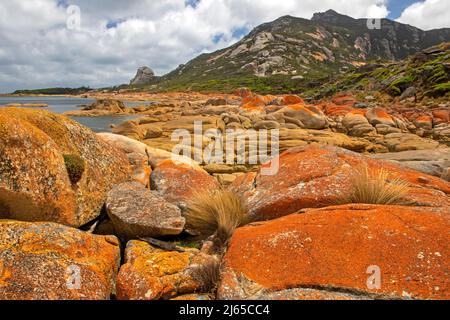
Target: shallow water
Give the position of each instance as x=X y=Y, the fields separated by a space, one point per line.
x=63 y=104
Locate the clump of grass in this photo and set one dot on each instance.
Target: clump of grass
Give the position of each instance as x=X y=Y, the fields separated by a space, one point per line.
x=375 y=187
x=75 y=167
x=216 y=213
x=208 y=275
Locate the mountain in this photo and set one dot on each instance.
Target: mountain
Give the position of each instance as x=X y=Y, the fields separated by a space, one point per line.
x=144 y=75
x=289 y=52
x=424 y=74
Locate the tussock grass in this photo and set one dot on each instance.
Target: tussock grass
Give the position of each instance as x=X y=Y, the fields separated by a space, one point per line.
x=208 y=275
x=216 y=213
x=375 y=187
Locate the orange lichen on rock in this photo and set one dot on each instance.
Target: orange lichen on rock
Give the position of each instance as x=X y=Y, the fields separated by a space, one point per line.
x=344 y=100
x=151 y=274
x=177 y=181
x=253 y=103
x=379 y=116
x=243 y=93
x=441 y=116
x=47 y=261
x=336 y=110
x=35 y=185
x=292 y=99
x=338 y=249
x=424 y=121
x=317 y=176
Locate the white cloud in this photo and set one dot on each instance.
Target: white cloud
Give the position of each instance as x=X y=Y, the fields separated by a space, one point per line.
x=430 y=14
x=39 y=51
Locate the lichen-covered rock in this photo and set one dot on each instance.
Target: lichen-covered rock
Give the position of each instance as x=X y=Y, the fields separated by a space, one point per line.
x=290 y=138
x=398 y=142
x=155 y=156
x=379 y=116
x=317 y=176
x=291 y=99
x=306 y=117
x=337 y=250
x=194 y=297
x=54 y=169
x=131 y=129
x=101 y=107
x=176 y=181
x=138 y=212
x=47 y=261
x=357 y=124
x=151 y=274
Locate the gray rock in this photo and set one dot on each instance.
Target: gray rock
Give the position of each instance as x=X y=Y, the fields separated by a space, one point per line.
x=144 y=75
x=361 y=105
x=137 y=212
x=433 y=162
x=216 y=102
x=409 y=93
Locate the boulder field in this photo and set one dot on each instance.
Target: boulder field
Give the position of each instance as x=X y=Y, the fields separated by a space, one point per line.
x=360 y=124
x=70 y=200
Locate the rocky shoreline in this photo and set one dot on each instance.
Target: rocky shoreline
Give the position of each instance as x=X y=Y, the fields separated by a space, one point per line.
x=100 y=216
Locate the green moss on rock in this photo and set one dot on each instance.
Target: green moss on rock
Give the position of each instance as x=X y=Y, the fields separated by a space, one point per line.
x=75 y=167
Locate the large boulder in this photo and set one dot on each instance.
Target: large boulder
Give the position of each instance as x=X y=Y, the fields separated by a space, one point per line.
x=150 y=273
x=306 y=117
x=47 y=261
x=398 y=142
x=435 y=162
x=178 y=181
x=290 y=138
x=338 y=253
x=155 y=156
x=138 y=212
x=317 y=176
x=357 y=124
x=54 y=169
x=100 y=107
x=131 y=129
x=379 y=116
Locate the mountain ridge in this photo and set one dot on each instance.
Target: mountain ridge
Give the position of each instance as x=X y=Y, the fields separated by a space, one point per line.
x=289 y=52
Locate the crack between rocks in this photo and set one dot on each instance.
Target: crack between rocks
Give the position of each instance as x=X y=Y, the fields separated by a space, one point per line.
x=343 y=290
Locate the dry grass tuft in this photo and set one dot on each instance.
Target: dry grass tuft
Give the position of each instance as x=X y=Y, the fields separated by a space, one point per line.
x=375 y=187
x=216 y=212
x=208 y=275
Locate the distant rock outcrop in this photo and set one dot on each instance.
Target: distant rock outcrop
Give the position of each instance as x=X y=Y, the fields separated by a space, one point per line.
x=144 y=75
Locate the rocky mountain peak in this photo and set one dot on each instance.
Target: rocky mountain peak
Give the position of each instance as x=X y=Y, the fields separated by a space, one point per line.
x=292 y=50
x=144 y=75
x=333 y=17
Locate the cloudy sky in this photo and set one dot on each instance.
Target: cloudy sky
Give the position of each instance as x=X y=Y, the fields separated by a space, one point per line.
x=43 y=45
